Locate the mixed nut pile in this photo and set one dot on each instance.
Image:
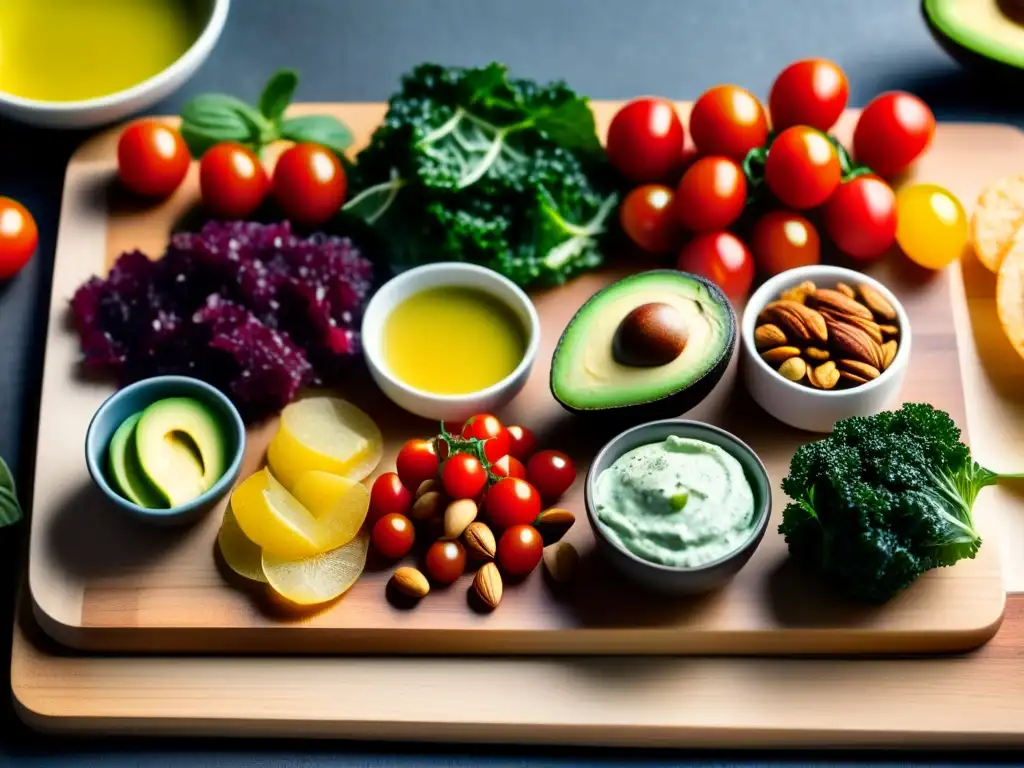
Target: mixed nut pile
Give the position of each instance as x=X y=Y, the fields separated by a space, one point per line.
x=828 y=337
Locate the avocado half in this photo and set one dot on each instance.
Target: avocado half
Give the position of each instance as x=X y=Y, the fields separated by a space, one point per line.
x=987 y=35
x=588 y=377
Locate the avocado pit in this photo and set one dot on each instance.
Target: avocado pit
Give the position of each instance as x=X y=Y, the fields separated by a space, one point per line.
x=652 y=334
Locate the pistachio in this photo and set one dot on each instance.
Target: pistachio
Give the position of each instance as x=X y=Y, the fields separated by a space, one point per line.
x=768 y=336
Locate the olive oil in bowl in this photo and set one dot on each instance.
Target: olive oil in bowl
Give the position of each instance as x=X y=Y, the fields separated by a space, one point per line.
x=75 y=50
x=452 y=340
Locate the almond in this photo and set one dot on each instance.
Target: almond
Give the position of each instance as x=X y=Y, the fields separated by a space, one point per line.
x=561 y=560
x=889 y=353
x=793 y=369
x=768 y=336
x=835 y=301
x=800 y=292
x=863 y=370
x=824 y=376
x=553 y=524
x=479 y=541
x=868 y=326
x=852 y=378
x=426 y=487
x=798 y=323
x=427 y=506
x=846 y=290
x=889 y=331
x=779 y=355
x=457 y=517
x=487 y=585
x=816 y=354
x=851 y=342
x=876 y=302
x=411 y=582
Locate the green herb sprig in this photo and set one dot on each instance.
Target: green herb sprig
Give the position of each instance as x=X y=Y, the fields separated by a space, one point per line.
x=10 y=509
x=211 y=118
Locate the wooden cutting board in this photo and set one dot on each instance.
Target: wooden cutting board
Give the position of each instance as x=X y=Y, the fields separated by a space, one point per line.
x=101 y=582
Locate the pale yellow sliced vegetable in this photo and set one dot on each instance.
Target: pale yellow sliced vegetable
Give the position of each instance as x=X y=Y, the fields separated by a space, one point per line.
x=998 y=220
x=1010 y=299
x=328 y=434
x=274 y=520
x=318 y=579
x=239 y=552
x=338 y=503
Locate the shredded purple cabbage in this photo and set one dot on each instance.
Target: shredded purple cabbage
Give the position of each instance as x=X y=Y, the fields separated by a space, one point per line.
x=251 y=308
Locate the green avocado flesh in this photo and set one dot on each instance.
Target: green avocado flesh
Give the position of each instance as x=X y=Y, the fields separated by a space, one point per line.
x=980 y=26
x=585 y=372
x=128 y=476
x=180 y=446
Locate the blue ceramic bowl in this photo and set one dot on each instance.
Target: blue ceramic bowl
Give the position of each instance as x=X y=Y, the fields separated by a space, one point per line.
x=134 y=398
x=679 y=580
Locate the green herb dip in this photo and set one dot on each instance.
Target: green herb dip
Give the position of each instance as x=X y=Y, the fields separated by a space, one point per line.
x=681 y=502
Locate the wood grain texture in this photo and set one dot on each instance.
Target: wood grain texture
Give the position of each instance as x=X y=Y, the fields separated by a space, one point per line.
x=101 y=582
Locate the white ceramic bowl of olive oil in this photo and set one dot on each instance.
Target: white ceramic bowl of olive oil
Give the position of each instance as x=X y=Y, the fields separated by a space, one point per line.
x=88 y=63
x=450 y=339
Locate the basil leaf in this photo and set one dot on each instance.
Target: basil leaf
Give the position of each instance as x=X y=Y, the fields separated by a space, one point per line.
x=10 y=509
x=278 y=93
x=320 y=129
x=212 y=118
x=6 y=478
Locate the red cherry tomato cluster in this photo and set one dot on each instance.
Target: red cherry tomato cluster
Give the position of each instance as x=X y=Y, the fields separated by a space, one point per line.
x=308 y=182
x=758 y=188
x=495 y=466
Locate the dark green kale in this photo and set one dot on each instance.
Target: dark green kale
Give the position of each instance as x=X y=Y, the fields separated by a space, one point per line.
x=471 y=165
x=883 y=499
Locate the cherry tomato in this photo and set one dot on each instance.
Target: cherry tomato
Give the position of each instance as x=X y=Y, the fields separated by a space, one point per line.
x=802 y=168
x=931 y=225
x=892 y=131
x=309 y=183
x=152 y=158
x=512 y=501
x=520 y=549
x=232 y=181
x=728 y=120
x=647 y=217
x=484 y=426
x=521 y=442
x=860 y=217
x=722 y=258
x=393 y=535
x=509 y=466
x=388 y=497
x=445 y=561
x=463 y=476
x=812 y=92
x=711 y=194
x=18 y=237
x=551 y=473
x=417 y=461
x=645 y=139
x=782 y=240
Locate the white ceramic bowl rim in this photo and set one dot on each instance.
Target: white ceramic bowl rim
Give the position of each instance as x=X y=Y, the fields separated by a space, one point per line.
x=454 y=268
x=199 y=47
x=770 y=290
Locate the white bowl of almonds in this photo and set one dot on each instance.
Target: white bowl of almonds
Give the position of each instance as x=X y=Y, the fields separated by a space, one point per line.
x=819 y=344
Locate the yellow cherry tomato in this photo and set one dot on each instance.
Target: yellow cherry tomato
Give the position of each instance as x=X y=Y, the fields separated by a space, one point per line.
x=931 y=225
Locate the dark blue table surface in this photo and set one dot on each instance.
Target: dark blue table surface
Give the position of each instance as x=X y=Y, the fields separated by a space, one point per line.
x=355 y=51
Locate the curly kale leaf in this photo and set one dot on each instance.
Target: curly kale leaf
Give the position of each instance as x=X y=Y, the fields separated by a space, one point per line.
x=883 y=499
x=470 y=165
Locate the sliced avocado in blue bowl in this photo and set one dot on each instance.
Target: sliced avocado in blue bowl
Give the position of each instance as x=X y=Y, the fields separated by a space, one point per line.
x=650 y=345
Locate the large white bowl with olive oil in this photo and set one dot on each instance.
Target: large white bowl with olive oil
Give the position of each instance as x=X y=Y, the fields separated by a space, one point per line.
x=83 y=63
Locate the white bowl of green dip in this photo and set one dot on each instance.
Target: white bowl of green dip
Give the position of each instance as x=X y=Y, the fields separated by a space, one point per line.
x=678 y=506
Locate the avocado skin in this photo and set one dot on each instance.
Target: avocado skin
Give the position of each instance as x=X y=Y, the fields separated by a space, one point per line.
x=968 y=58
x=673 y=404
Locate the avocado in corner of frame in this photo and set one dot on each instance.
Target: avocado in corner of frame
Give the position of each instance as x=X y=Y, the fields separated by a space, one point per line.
x=125 y=470
x=985 y=33
x=652 y=344
x=181 y=448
